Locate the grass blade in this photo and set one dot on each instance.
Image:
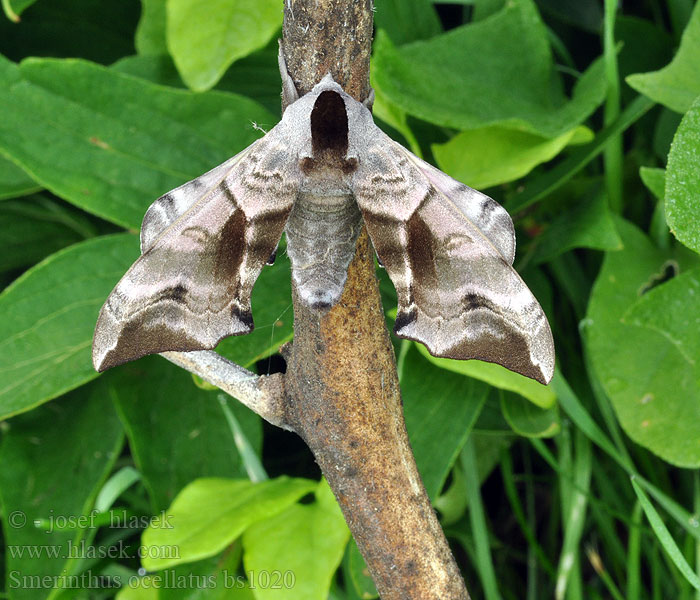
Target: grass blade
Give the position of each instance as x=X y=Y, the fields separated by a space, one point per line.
x=477 y=517
x=664 y=536
x=251 y=462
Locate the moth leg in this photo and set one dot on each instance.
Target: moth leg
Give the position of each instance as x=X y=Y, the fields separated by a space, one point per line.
x=290 y=94
x=369 y=100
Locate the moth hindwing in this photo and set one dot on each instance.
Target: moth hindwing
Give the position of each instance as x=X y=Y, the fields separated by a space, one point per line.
x=321 y=172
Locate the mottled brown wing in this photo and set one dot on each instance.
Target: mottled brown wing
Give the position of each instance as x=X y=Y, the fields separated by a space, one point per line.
x=204 y=245
x=448 y=250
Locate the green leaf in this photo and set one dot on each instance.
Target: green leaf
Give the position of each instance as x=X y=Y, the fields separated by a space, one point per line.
x=683 y=179
x=150 y=33
x=356 y=571
x=204 y=40
x=47 y=479
x=513 y=83
x=49 y=315
x=407 y=20
x=256 y=76
x=655 y=180
x=14 y=181
x=527 y=419
x=440 y=409
x=539 y=187
x=585 y=223
x=30 y=231
x=493 y=155
x=655 y=392
x=678 y=83
x=98 y=31
x=673 y=310
x=497 y=376
x=110 y=143
x=176 y=430
x=142 y=588
x=209 y=514
x=306 y=540
x=13 y=8
x=664 y=536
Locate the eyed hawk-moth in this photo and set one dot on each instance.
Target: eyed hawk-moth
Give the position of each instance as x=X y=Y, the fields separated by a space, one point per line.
x=321 y=172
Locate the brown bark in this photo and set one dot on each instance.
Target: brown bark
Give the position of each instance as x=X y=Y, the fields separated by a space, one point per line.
x=341 y=384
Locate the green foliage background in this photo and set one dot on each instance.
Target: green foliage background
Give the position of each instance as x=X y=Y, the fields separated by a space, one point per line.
x=581 y=117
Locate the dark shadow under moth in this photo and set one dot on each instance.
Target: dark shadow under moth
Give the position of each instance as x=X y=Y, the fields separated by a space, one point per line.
x=318 y=174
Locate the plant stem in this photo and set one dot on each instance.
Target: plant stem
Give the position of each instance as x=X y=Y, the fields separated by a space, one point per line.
x=612 y=155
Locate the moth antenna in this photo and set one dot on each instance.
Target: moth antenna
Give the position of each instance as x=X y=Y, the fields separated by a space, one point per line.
x=290 y=94
x=257 y=127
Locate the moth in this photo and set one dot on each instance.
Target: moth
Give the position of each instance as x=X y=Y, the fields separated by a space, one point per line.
x=318 y=175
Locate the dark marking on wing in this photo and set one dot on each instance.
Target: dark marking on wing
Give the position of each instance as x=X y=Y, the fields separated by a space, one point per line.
x=177 y=294
x=244 y=316
x=231 y=250
x=421 y=252
x=475 y=301
x=405 y=318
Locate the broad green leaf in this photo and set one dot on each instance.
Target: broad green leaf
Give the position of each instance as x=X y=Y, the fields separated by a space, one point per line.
x=673 y=310
x=99 y=31
x=655 y=180
x=678 y=83
x=513 y=83
x=493 y=155
x=407 y=20
x=305 y=540
x=204 y=40
x=110 y=143
x=142 y=588
x=497 y=376
x=214 y=578
x=683 y=179
x=585 y=223
x=54 y=461
x=209 y=514
x=655 y=392
x=14 y=181
x=256 y=76
x=440 y=409
x=48 y=318
x=30 y=231
x=13 y=8
x=150 y=33
x=527 y=419
x=177 y=431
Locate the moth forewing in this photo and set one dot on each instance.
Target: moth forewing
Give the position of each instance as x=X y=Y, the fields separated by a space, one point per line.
x=204 y=245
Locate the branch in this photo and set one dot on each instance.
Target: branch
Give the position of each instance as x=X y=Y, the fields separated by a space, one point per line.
x=261 y=394
x=342 y=387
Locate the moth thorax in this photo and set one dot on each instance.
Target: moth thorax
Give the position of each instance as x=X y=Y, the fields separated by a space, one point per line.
x=329 y=136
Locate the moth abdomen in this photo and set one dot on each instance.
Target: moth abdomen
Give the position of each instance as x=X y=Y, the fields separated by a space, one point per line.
x=321 y=236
